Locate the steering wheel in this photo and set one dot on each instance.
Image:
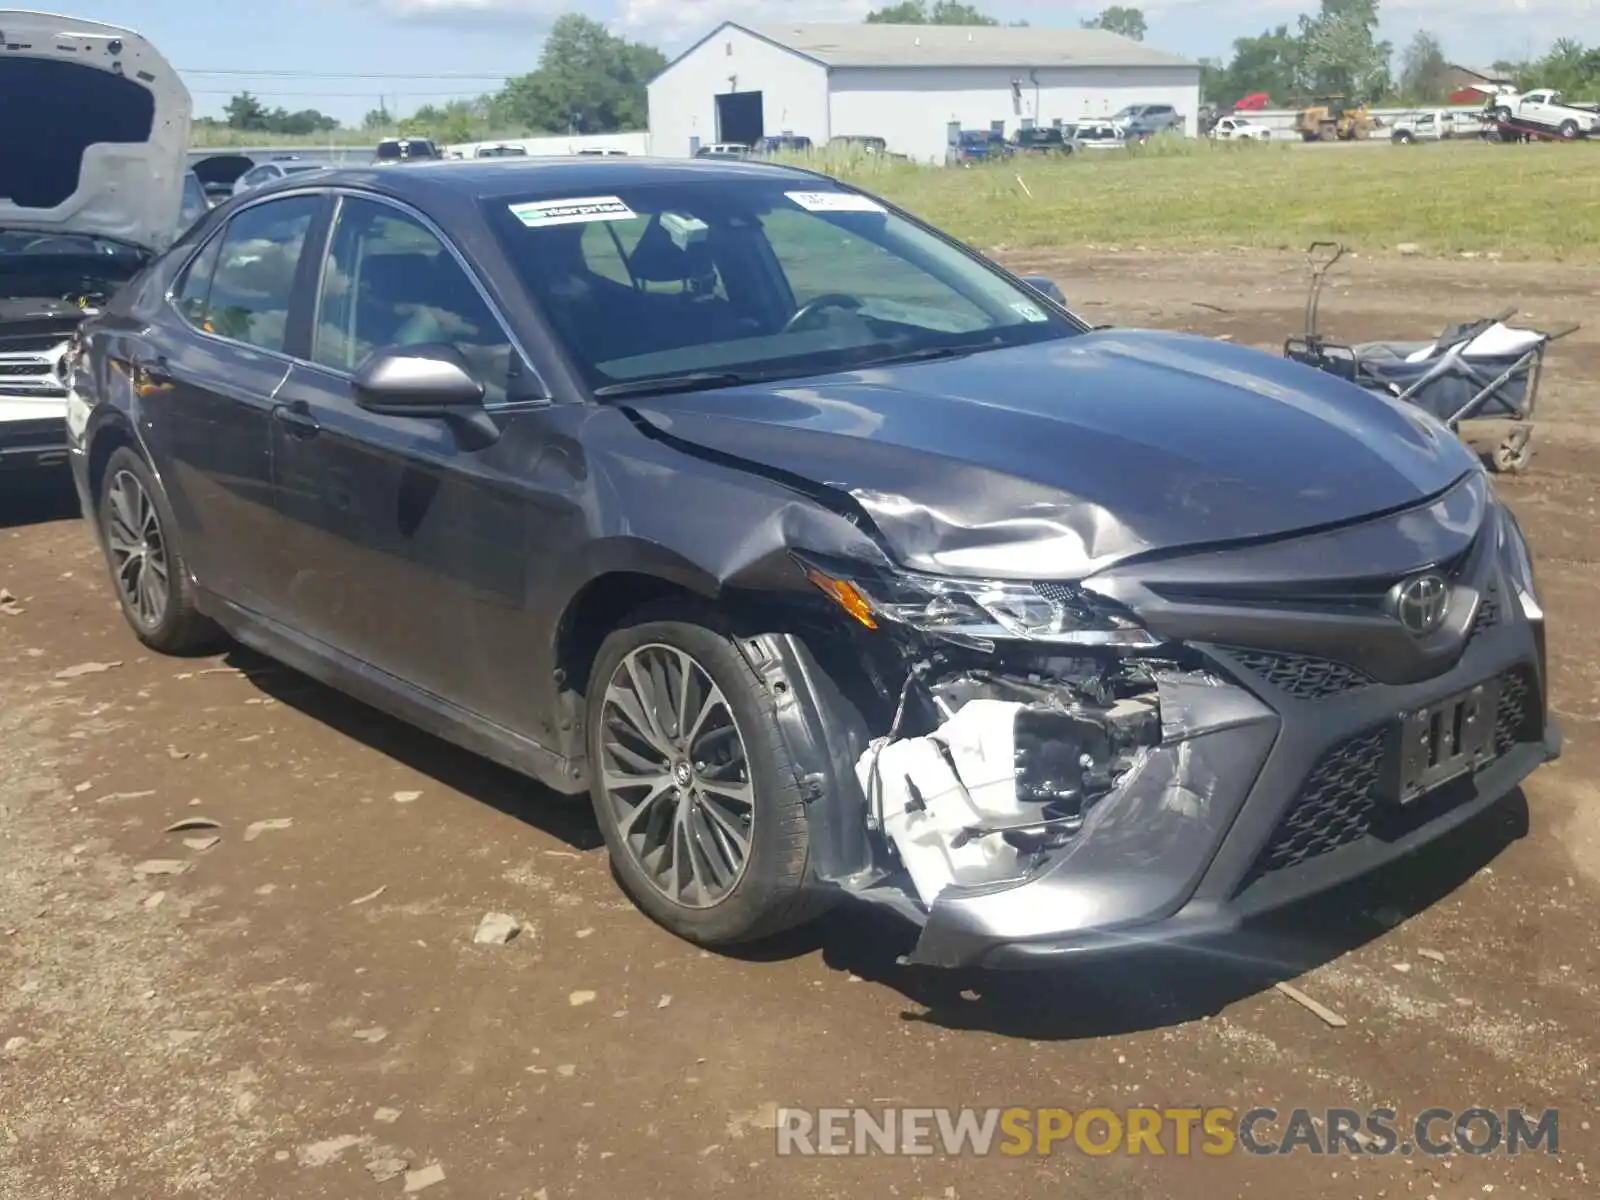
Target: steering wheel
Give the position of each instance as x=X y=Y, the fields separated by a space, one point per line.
x=816 y=304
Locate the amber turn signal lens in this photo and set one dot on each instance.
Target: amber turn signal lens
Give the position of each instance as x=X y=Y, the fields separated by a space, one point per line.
x=846 y=595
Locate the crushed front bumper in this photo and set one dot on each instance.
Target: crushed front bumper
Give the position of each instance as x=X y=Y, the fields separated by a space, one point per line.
x=1255 y=799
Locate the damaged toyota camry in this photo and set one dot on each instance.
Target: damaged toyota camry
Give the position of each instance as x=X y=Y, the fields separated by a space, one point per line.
x=831 y=560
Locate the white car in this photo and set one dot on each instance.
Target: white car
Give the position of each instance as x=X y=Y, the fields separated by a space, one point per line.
x=267 y=172
x=1547 y=110
x=1097 y=135
x=84 y=210
x=1240 y=129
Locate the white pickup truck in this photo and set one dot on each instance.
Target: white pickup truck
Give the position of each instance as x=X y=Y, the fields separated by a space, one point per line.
x=1433 y=125
x=1545 y=109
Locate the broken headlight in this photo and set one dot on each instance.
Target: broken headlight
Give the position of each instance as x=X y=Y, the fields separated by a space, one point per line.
x=984 y=611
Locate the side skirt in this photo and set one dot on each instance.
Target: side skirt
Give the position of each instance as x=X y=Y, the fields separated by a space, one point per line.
x=395 y=696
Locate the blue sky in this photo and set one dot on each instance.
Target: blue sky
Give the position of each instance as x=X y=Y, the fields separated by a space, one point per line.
x=354 y=52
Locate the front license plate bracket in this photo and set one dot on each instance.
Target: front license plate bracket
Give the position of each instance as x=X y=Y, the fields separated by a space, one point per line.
x=1441 y=741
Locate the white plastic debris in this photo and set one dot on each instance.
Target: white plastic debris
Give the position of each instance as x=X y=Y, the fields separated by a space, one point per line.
x=496 y=929
x=931 y=789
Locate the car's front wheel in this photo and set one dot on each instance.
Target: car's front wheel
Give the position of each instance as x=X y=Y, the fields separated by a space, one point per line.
x=692 y=785
x=148 y=570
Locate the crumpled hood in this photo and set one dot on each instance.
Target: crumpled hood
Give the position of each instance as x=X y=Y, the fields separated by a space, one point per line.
x=94 y=132
x=1054 y=460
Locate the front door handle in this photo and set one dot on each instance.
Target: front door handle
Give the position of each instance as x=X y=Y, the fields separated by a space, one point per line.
x=297 y=419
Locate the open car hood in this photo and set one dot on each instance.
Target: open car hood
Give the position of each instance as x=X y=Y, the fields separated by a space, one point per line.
x=1055 y=460
x=94 y=133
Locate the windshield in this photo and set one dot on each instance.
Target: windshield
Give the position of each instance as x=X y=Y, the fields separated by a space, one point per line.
x=755 y=279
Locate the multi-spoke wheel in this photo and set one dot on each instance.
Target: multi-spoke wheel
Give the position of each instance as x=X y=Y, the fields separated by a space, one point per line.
x=147 y=568
x=138 y=552
x=692 y=784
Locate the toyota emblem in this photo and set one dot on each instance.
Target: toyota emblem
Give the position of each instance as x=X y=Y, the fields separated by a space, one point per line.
x=1420 y=603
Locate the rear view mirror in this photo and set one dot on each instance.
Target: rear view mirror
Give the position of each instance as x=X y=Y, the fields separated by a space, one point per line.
x=416 y=381
x=1046 y=287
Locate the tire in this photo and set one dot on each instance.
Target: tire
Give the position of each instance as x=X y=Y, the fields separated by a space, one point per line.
x=166 y=619
x=1502 y=115
x=1569 y=130
x=769 y=893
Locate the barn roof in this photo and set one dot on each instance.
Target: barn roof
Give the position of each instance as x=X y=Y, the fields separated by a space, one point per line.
x=863 y=45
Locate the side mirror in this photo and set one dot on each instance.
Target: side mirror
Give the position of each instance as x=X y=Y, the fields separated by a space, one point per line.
x=416 y=381
x=426 y=381
x=1046 y=287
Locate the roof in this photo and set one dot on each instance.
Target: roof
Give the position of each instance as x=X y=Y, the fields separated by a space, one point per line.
x=502 y=178
x=863 y=45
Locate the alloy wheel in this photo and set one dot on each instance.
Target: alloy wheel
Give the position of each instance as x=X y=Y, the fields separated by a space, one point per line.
x=676 y=776
x=138 y=550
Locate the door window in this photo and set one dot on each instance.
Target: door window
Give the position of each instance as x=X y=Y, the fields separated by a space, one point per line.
x=388 y=281
x=258 y=255
x=194 y=286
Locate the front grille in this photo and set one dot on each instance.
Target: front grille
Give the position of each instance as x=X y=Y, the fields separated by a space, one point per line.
x=1516 y=714
x=1301 y=675
x=1340 y=801
x=15 y=341
x=46 y=391
x=30 y=367
x=1334 y=807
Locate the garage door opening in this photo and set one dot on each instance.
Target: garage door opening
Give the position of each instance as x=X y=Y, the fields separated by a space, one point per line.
x=739 y=118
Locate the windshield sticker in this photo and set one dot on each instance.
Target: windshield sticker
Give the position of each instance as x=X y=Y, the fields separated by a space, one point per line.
x=822 y=202
x=1028 y=312
x=580 y=211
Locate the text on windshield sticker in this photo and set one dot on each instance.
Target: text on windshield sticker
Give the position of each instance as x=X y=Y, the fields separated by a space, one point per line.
x=538 y=213
x=821 y=202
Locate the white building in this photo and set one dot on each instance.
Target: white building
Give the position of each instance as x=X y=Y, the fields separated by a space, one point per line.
x=911 y=85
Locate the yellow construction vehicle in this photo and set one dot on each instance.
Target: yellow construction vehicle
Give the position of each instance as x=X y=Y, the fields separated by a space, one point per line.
x=1330 y=118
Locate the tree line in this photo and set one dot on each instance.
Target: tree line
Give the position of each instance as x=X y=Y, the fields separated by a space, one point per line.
x=589 y=80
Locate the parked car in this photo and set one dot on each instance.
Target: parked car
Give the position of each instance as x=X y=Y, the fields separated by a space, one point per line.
x=872 y=575
x=1044 y=141
x=979 y=145
x=786 y=143
x=602 y=152
x=1097 y=135
x=282 y=168
x=1239 y=129
x=1140 y=122
x=75 y=227
x=724 y=150
x=406 y=149
x=195 y=203
x=865 y=143
x=502 y=150
x=1549 y=111
x=1433 y=125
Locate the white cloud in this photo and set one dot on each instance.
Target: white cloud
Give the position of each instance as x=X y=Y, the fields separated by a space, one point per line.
x=676 y=23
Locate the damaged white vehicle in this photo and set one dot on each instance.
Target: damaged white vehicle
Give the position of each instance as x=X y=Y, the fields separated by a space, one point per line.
x=94 y=123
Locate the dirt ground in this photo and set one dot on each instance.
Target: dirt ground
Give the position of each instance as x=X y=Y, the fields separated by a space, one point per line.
x=302 y=1011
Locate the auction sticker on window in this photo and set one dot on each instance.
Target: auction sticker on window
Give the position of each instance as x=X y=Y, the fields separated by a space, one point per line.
x=824 y=202
x=579 y=211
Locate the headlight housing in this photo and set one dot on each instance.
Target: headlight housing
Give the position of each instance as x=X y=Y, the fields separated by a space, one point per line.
x=980 y=612
x=1519 y=565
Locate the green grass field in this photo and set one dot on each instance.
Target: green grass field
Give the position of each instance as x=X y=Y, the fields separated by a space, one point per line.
x=1536 y=202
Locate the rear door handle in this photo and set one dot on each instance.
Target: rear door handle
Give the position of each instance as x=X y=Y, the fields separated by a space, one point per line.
x=297 y=419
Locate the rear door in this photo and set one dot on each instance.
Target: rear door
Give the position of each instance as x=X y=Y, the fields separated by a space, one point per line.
x=411 y=544
x=206 y=378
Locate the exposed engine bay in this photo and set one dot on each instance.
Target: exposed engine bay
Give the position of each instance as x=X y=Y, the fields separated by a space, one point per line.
x=1011 y=770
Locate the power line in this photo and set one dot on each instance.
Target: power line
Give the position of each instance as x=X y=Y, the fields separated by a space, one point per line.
x=500 y=75
x=406 y=92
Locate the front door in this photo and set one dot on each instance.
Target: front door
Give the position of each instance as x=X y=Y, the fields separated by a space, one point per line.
x=411 y=539
x=205 y=389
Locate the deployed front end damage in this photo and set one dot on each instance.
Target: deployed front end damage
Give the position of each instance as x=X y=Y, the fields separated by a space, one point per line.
x=1043 y=770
